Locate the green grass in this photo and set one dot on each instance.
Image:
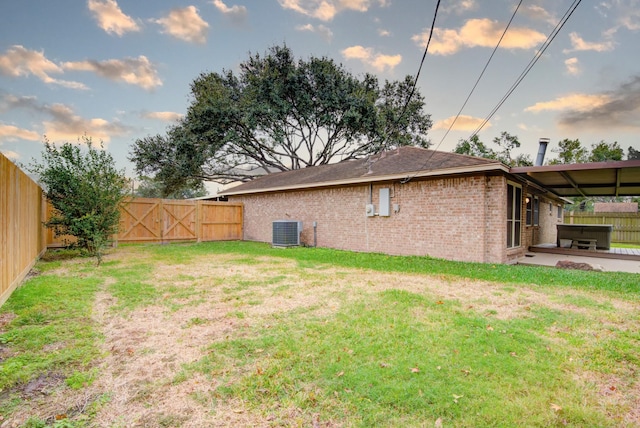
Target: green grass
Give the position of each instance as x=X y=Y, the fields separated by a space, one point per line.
x=621 y=245
x=130 y=283
x=51 y=334
x=376 y=364
x=387 y=358
x=618 y=282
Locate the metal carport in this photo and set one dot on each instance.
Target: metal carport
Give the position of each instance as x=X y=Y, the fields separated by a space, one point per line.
x=619 y=178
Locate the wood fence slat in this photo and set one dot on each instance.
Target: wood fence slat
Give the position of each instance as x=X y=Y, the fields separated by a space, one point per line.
x=22 y=237
x=177 y=220
x=166 y=220
x=24 y=210
x=221 y=221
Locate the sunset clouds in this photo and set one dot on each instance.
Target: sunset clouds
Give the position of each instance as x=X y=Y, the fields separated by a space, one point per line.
x=236 y=13
x=66 y=125
x=325 y=32
x=18 y=61
x=59 y=122
x=579 y=44
x=618 y=108
x=463 y=123
x=134 y=71
x=185 y=24
x=120 y=71
x=110 y=17
x=479 y=33
x=166 y=116
x=378 y=61
x=10 y=132
x=326 y=10
x=576 y=102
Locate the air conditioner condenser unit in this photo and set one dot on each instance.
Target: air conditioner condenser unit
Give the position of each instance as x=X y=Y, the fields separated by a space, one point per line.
x=286 y=233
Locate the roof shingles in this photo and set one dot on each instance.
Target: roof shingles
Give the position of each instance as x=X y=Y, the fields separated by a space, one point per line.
x=401 y=161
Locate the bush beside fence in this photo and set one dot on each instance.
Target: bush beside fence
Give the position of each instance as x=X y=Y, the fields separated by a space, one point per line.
x=24 y=210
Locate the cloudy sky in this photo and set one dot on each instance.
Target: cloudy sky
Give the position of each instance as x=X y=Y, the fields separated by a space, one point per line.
x=118 y=70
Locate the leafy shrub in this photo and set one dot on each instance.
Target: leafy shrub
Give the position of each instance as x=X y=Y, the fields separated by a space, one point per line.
x=85 y=189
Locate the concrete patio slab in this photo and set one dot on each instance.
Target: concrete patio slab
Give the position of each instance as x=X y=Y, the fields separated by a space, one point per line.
x=608 y=264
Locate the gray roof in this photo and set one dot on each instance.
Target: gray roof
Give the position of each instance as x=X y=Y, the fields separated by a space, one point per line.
x=396 y=164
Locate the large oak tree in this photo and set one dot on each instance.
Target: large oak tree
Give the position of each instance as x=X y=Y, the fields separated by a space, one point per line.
x=278 y=113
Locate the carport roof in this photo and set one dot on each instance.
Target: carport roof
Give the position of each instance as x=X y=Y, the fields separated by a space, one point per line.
x=620 y=178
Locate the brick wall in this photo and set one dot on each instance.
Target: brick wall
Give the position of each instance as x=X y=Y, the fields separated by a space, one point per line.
x=545 y=232
x=460 y=218
x=548 y=232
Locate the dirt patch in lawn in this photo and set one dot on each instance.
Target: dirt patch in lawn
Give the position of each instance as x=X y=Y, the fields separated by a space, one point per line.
x=213 y=299
x=5 y=319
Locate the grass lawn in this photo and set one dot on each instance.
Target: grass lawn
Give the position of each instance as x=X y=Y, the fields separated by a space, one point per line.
x=241 y=334
x=621 y=245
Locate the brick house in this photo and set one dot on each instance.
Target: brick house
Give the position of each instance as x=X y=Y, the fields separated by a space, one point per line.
x=407 y=201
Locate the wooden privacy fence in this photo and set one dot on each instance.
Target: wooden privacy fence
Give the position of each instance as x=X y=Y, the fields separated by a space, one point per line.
x=165 y=220
x=169 y=220
x=626 y=226
x=24 y=209
x=22 y=235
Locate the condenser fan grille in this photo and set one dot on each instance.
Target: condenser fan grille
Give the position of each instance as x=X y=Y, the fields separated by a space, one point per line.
x=286 y=233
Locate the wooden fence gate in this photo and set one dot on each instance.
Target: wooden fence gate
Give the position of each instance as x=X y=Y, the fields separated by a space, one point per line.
x=166 y=220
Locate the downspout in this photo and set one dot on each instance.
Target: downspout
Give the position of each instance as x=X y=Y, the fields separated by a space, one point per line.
x=366 y=219
x=485 y=250
x=315 y=234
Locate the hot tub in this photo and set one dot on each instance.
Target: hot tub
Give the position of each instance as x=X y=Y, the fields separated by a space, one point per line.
x=601 y=232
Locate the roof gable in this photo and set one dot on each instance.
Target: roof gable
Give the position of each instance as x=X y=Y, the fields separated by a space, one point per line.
x=403 y=162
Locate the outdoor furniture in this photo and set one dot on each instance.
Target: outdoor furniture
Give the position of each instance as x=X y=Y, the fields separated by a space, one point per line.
x=600 y=232
x=584 y=243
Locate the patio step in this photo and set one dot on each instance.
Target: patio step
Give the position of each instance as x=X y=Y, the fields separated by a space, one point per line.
x=613 y=253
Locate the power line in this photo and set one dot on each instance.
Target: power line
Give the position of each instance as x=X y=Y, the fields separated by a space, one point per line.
x=415 y=81
x=472 y=89
x=529 y=66
x=481 y=74
x=424 y=55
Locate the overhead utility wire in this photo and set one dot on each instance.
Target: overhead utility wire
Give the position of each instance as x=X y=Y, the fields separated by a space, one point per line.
x=424 y=56
x=472 y=89
x=528 y=68
x=481 y=74
x=415 y=81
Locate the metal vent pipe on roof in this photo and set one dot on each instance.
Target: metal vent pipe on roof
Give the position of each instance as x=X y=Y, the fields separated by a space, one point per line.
x=542 y=150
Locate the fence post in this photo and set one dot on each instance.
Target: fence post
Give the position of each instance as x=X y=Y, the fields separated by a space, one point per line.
x=199 y=212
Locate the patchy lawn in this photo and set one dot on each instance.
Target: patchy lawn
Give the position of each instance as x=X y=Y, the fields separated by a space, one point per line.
x=239 y=334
